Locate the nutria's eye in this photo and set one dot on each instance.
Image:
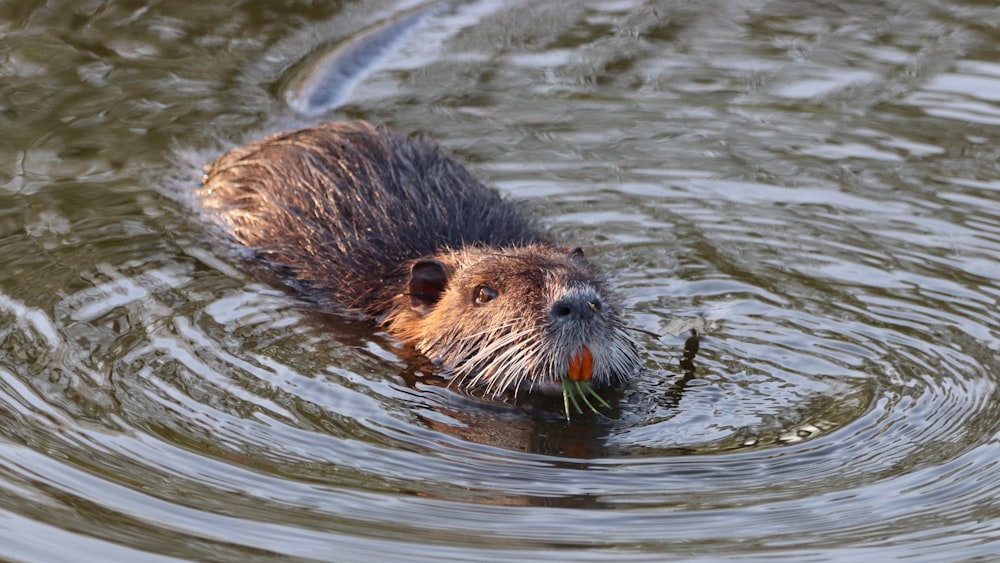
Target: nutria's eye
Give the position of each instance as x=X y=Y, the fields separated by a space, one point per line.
x=483 y=294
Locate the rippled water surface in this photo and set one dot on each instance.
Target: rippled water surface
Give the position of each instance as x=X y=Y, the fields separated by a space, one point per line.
x=812 y=185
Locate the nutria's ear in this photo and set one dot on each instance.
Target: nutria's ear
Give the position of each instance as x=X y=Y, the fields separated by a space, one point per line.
x=428 y=280
x=577 y=255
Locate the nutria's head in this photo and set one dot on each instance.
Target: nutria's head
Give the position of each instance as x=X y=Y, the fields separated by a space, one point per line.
x=515 y=320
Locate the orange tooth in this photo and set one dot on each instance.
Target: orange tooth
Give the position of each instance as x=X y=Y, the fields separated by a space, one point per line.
x=581 y=365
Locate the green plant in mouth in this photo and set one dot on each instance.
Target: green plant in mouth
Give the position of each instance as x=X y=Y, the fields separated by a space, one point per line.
x=575 y=391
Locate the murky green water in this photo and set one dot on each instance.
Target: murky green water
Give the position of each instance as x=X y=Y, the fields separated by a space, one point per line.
x=813 y=184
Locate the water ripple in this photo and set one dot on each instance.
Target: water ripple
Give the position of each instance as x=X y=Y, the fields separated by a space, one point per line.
x=810 y=191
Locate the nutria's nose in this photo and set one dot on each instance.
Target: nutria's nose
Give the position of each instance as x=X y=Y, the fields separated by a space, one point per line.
x=578 y=305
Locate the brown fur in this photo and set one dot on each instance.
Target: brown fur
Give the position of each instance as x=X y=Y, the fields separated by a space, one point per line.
x=360 y=218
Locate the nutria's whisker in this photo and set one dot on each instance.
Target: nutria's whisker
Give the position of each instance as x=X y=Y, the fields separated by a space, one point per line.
x=641 y=330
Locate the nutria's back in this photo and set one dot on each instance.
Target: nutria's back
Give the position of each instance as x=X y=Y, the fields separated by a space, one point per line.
x=361 y=218
x=284 y=196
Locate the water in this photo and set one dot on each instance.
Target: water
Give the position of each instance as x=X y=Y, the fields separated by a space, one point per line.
x=813 y=185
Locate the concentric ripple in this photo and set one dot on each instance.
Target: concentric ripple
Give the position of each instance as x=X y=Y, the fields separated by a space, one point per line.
x=812 y=187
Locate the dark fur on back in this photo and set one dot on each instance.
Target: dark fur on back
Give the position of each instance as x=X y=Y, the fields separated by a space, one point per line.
x=286 y=198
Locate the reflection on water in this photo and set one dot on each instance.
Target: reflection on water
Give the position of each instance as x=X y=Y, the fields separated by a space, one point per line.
x=812 y=186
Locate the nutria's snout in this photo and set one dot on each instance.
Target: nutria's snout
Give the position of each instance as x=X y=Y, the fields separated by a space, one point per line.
x=580 y=304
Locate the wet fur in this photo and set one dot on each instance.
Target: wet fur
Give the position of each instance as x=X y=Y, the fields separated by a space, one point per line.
x=350 y=249
x=360 y=218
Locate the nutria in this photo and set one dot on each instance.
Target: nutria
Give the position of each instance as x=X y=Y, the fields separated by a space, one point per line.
x=362 y=219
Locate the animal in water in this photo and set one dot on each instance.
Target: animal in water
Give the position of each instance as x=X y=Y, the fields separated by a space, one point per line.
x=362 y=219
